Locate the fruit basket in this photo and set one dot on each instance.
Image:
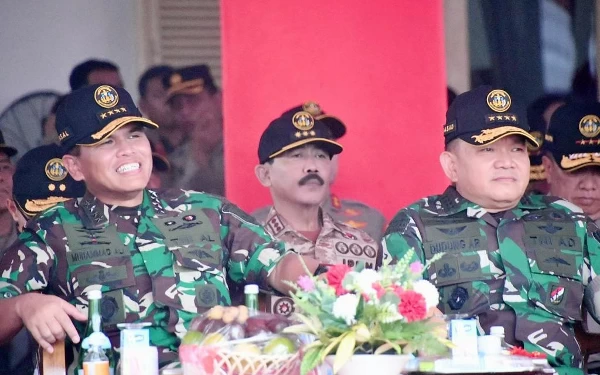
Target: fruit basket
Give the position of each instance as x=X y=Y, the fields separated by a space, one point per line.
x=243 y=345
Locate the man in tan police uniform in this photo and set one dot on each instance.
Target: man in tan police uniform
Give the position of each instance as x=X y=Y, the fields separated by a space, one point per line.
x=350 y=212
x=295 y=154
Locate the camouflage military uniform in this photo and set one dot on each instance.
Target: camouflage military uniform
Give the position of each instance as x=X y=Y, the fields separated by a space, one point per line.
x=526 y=271
x=352 y=213
x=161 y=263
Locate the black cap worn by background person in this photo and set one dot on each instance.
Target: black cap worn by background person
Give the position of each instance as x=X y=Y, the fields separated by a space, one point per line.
x=189 y=80
x=482 y=116
x=337 y=127
x=88 y=115
x=41 y=180
x=537 y=124
x=288 y=132
x=573 y=137
x=8 y=150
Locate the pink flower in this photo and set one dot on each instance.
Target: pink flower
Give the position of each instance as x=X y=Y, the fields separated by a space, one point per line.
x=416 y=267
x=335 y=276
x=306 y=283
x=412 y=306
x=379 y=289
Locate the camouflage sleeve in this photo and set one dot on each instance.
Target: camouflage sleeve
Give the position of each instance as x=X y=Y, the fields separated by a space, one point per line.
x=592 y=265
x=252 y=252
x=402 y=235
x=25 y=266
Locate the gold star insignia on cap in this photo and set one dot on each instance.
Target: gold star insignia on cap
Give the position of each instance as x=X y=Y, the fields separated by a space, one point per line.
x=498 y=100
x=106 y=96
x=103 y=115
x=492 y=118
x=55 y=169
x=499 y=118
x=298 y=134
x=589 y=126
x=514 y=118
x=303 y=120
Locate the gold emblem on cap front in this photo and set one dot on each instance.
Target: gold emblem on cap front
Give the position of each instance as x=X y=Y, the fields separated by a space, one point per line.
x=106 y=96
x=55 y=169
x=589 y=126
x=313 y=108
x=303 y=120
x=498 y=100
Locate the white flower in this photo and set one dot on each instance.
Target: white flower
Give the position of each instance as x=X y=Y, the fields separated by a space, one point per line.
x=365 y=279
x=345 y=308
x=429 y=291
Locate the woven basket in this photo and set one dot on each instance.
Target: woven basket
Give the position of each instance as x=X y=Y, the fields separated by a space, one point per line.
x=220 y=360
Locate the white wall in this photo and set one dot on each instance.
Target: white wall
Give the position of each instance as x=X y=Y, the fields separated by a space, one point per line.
x=41 y=41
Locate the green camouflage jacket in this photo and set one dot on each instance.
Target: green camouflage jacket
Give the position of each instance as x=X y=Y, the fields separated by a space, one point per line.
x=527 y=271
x=163 y=262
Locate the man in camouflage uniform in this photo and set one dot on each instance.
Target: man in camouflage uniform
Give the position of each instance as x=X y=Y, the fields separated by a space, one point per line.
x=350 y=212
x=8 y=232
x=520 y=261
x=295 y=155
x=39 y=182
x=159 y=257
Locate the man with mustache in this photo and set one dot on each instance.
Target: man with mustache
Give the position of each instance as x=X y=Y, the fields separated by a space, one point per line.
x=351 y=212
x=509 y=259
x=295 y=153
x=8 y=231
x=157 y=256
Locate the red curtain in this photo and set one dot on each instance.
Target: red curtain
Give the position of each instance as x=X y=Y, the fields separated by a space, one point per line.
x=378 y=66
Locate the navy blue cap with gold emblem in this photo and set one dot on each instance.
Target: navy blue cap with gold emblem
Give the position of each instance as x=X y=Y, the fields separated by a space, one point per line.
x=41 y=180
x=573 y=136
x=483 y=116
x=88 y=115
x=337 y=127
x=288 y=132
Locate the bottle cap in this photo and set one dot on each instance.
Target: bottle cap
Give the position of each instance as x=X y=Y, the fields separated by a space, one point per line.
x=96 y=339
x=497 y=331
x=251 y=289
x=94 y=294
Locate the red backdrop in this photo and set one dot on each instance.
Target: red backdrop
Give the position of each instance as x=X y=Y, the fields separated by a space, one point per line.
x=378 y=66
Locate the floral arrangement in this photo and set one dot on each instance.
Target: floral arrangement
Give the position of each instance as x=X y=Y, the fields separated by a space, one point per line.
x=361 y=310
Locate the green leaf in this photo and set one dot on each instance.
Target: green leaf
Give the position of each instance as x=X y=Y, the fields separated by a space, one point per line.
x=314 y=326
x=330 y=347
x=298 y=328
x=311 y=359
x=345 y=351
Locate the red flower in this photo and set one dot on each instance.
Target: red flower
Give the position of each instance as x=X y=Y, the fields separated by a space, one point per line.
x=335 y=276
x=412 y=306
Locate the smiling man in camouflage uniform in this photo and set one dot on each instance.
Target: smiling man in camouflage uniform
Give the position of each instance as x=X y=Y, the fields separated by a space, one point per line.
x=159 y=257
x=522 y=262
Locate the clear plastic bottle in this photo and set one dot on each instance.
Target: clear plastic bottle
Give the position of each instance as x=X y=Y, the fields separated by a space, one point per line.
x=499 y=331
x=95 y=361
x=251 y=292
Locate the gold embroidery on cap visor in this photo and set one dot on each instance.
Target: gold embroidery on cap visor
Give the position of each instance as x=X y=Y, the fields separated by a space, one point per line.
x=537 y=173
x=303 y=142
x=573 y=162
x=303 y=120
x=498 y=100
x=589 y=126
x=194 y=86
x=488 y=136
x=106 y=96
x=115 y=125
x=539 y=138
x=55 y=170
x=35 y=206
